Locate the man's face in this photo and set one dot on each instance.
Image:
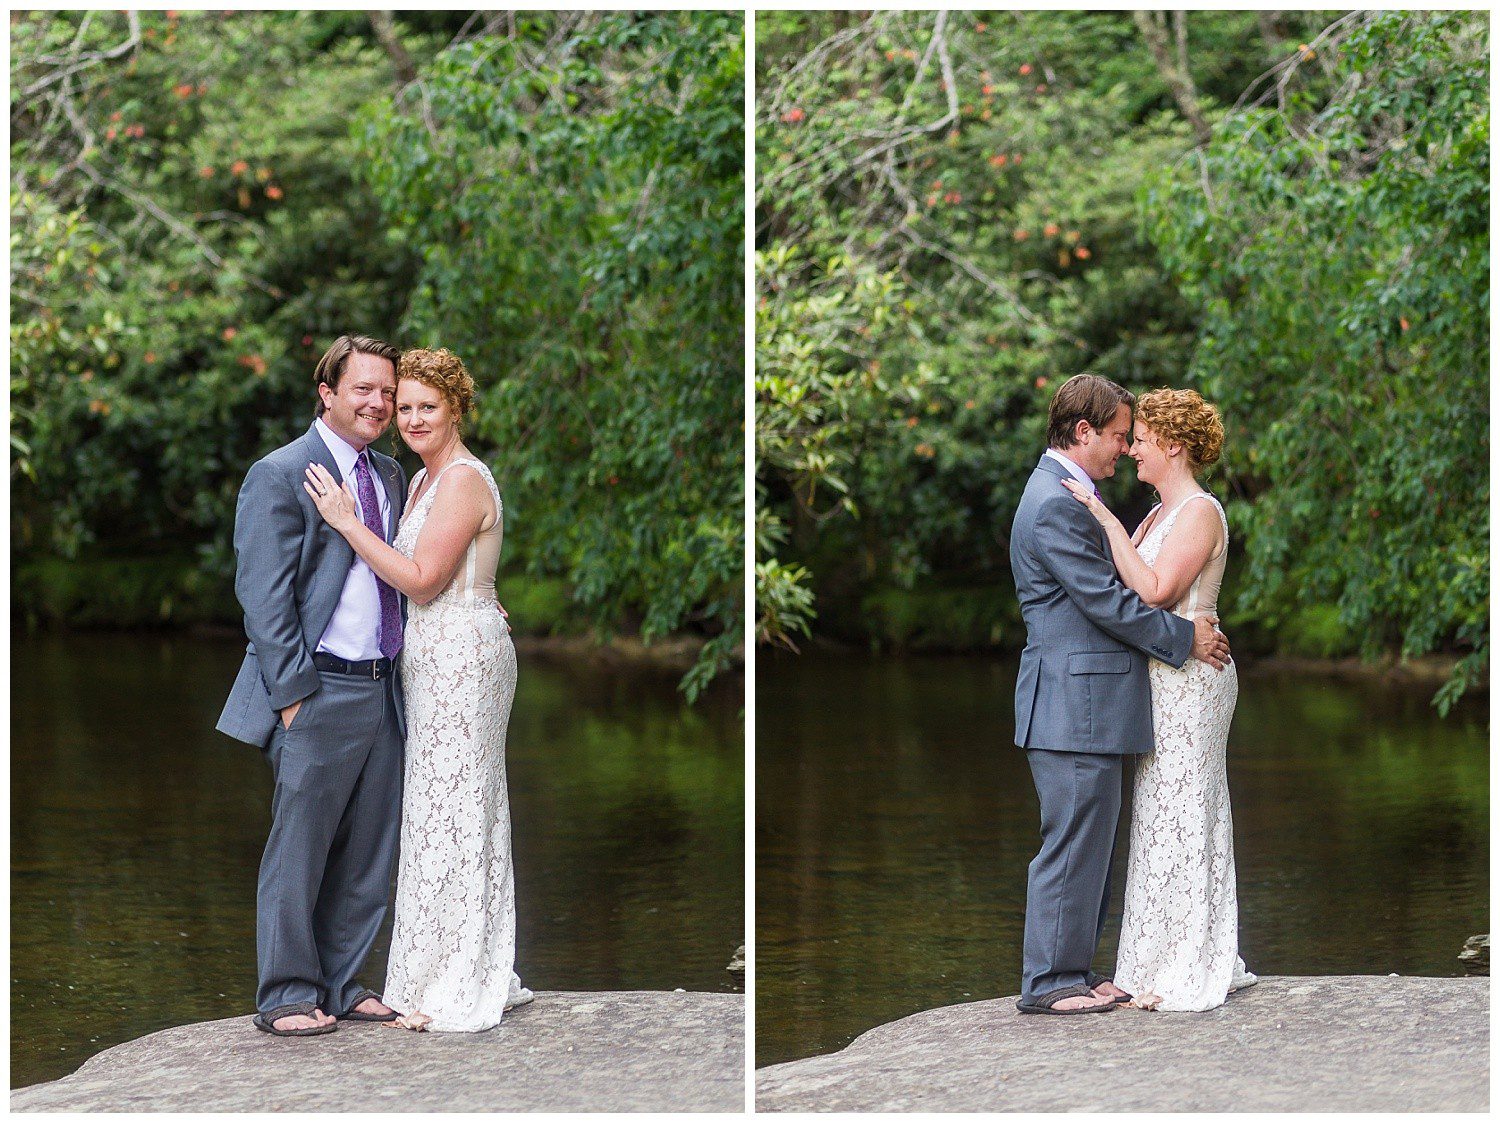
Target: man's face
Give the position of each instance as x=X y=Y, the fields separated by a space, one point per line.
x=1099 y=449
x=361 y=408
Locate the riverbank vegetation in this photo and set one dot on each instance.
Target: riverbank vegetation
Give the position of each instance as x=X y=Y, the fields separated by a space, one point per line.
x=202 y=201
x=1287 y=211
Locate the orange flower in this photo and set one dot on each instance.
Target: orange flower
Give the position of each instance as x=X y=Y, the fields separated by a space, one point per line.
x=969 y=404
x=1051 y=230
x=1041 y=383
x=793 y=116
x=1020 y=235
x=1025 y=69
x=911 y=422
x=1083 y=253
x=274 y=192
x=205 y=172
x=184 y=91
x=228 y=334
x=998 y=161
x=239 y=167
x=926 y=451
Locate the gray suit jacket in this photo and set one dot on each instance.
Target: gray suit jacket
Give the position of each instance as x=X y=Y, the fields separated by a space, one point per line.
x=290 y=568
x=1082 y=685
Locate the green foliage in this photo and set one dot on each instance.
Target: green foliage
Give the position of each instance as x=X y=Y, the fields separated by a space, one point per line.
x=1027 y=186
x=202 y=201
x=576 y=207
x=204 y=172
x=1338 y=250
x=943 y=619
x=148 y=592
x=1317 y=631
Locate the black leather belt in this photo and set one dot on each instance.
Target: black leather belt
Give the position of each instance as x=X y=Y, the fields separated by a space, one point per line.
x=369 y=668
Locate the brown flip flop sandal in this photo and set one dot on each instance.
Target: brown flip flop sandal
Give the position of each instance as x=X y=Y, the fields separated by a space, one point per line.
x=355 y=1016
x=266 y=1022
x=1093 y=980
x=1047 y=1003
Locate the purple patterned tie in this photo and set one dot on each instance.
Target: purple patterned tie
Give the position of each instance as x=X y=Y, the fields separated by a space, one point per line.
x=390 y=607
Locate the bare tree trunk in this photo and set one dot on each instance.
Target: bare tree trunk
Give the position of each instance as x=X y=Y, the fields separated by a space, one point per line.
x=385 y=31
x=1174 y=71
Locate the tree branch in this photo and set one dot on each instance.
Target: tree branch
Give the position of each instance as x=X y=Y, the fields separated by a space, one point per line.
x=385 y=30
x=1175 y=73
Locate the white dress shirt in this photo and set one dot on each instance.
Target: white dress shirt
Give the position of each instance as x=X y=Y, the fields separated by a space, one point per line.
x=354 y=631
x=1074 y=470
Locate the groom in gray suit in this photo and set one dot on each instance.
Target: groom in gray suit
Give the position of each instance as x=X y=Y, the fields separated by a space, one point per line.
x=318 y=694
x=1083 y=699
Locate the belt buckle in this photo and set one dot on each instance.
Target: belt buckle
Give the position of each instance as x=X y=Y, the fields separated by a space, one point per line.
x=374 y=670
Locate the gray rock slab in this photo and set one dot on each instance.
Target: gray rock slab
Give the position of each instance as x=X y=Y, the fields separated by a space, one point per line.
x=567 y=1051
x=1340 y=1043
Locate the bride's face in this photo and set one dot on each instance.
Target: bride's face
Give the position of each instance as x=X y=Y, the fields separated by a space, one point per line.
x=423 y=416
x=1150 y=458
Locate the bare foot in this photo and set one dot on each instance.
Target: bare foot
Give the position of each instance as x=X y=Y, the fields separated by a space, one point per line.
x=1107 y=989
x=1146 y=1002
x=372 y=1005
x=302 y=1021
x=416 y=1021
x=1081 y=1002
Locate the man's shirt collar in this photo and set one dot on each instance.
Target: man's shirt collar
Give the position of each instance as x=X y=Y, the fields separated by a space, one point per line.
x=344 y=453
x=1073 y=469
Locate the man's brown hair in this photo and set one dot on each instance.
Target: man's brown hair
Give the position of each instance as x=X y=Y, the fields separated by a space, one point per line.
x=331 y=366
x=1084 y=397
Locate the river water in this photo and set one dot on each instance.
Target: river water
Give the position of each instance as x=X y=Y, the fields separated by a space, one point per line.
x=895 y=821
x=136 y=833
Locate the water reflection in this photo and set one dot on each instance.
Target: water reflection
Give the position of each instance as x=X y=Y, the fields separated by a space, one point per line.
x=895 y=821
x=136 y=833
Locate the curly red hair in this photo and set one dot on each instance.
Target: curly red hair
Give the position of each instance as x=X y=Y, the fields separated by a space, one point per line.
x=1182 y=417
x=444 y=372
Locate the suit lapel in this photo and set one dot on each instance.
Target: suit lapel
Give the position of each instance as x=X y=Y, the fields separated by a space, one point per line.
x=319 y=453
x=1052 y=468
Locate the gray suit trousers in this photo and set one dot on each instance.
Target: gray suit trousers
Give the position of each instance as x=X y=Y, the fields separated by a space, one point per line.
x=1067 y=884
x=335 y=823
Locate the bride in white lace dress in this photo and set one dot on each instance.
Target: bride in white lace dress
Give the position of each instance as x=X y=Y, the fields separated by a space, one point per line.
x=1179 y=938
x=453 y=949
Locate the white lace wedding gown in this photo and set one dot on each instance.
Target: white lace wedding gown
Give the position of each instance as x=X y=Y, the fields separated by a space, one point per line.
x=454 y=946
x=1179 y=939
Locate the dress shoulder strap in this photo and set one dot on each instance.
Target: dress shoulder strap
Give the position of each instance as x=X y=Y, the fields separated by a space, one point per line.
x=1219 y=507
x=484 y=471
